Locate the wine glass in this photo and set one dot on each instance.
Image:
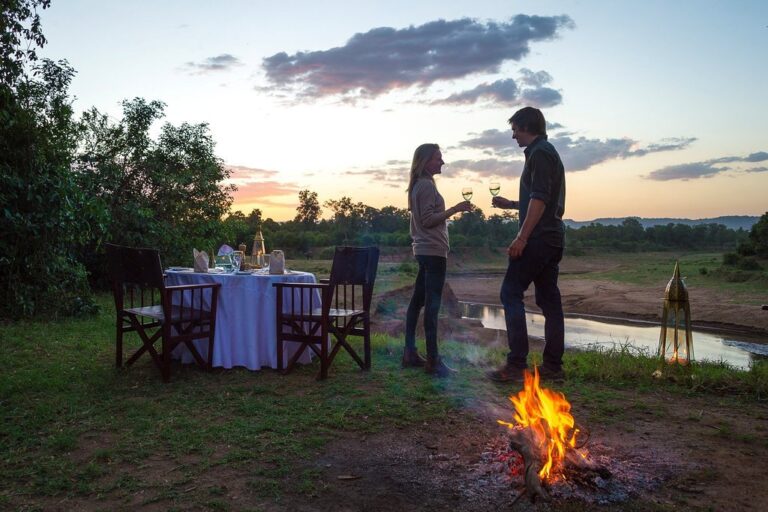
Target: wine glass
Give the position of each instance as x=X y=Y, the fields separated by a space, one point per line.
x=466 y=193
x=265 y=265
x=237 y=260
x=494 y=188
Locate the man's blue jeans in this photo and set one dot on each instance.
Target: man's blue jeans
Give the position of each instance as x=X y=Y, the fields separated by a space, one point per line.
x=427 y=293
x=538 y=265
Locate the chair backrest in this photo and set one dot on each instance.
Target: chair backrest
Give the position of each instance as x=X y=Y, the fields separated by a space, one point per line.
x=355 y=266
x=138 y=267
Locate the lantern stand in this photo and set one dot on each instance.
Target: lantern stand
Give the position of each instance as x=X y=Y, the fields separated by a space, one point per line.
x=258 y=250
x=676 y=339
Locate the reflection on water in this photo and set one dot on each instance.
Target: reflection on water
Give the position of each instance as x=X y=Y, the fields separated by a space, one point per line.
x=736 y=350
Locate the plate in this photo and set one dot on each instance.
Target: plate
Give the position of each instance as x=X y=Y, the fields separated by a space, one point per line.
x=180 y=269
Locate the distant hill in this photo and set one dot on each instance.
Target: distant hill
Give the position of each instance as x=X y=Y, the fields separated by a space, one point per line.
x=730 y=221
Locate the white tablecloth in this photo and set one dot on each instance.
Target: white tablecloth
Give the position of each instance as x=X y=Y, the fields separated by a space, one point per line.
x=245 y=320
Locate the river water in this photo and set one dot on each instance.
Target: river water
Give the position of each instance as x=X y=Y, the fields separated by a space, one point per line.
x=737 y=349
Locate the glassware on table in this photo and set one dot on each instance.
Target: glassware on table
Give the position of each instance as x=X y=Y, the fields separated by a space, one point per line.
x=224 y=262
x=494 y=188
x=466 y=193
x=265 y=266
x=237 y=260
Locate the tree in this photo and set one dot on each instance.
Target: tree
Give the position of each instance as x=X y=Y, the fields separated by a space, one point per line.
x=20 y=36
x=309 y=211
x=757 y=243
x=41 y=219
x=349 y=218
x=165 y=193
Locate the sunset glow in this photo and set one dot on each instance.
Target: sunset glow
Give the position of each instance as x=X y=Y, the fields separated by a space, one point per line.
x=648 y=102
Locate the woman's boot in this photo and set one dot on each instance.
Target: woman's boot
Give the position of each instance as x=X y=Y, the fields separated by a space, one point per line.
x=412 y=359
x=435 y=366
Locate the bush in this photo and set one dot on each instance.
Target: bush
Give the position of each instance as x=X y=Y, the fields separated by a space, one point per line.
x=730 y=258
x=749 y=264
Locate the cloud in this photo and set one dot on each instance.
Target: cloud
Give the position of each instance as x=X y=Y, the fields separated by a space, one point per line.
x=262 y=192
x=535 y=79
x=578 y=154
x=760 y=156
x=394 y=174
x=507 y=93
x=385 y=58
x=504 y=92
x=242 y=173
x=488 y=167
x=492 y=142
x=686 y=172
x=707 y=168
x=541 y=97
x=223 y=62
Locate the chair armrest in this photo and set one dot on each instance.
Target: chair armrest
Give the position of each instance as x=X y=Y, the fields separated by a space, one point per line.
x=325 y=281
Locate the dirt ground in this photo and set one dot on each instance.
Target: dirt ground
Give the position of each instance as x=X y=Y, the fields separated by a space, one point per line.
x=582 y=296
x=665 y=457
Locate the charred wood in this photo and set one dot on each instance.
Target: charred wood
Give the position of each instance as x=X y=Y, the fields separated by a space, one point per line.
x=520 y=440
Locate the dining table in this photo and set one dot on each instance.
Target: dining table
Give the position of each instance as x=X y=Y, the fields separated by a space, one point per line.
x=245 y=334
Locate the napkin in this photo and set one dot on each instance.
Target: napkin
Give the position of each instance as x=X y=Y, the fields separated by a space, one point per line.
x=201 y=260
x=224 y=250
x=277 y=262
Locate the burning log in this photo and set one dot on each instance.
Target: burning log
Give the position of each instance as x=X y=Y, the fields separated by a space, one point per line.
x=544 y=433
x=520 y=440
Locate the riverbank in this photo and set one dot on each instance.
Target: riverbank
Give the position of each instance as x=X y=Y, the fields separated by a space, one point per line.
x=585 y=292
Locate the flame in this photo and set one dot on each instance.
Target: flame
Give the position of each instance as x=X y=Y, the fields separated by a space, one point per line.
x=547 y=414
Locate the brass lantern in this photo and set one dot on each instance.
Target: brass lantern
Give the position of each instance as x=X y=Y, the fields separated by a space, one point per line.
x=676 y=340
x=258 y=249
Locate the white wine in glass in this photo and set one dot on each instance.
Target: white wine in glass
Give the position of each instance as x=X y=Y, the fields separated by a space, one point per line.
x=466 y=193
x=494 y=188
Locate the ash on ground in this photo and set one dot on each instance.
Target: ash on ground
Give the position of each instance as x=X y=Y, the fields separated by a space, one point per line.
x=500 y=469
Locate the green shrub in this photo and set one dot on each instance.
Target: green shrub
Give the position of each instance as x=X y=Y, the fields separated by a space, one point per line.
x=749 y=263
x=730 y=258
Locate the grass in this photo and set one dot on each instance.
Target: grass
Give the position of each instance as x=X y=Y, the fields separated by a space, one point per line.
x=73 y=426
x=698 y=270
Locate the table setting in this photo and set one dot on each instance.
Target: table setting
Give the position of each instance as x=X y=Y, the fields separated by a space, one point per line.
x=246 y=313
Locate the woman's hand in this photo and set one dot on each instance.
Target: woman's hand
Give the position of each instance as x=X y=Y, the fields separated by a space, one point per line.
x=463 y=206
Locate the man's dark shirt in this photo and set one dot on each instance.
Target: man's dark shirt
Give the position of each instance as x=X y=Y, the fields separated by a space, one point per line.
x=544 y=178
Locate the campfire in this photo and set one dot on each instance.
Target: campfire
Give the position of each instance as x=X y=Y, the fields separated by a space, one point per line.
x=544 y=433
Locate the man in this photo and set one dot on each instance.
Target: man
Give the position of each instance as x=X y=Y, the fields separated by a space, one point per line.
x=535 y=253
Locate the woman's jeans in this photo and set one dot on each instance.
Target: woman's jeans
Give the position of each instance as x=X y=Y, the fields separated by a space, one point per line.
x=427 y=292
x=538 y=265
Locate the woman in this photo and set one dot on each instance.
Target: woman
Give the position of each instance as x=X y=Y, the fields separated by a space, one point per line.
x=430 y=246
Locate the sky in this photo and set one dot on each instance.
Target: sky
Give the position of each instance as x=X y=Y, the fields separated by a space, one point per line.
x=658 y=108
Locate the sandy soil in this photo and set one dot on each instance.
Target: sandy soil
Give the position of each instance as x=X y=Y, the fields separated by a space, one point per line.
x=586 y=296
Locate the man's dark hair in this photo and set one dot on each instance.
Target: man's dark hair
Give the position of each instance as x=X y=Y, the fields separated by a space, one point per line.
x=530 y=120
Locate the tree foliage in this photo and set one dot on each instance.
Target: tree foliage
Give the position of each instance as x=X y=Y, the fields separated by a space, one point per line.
x=163 y=193
x=308 y=212
x=757 y=242
x=41 y=203
x=20 y=36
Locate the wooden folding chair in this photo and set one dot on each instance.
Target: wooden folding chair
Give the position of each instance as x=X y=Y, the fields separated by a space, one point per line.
x=343 y=311
x=154 y=311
